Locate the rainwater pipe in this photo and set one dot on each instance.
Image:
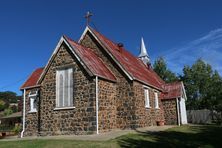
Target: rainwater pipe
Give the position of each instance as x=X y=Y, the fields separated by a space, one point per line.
x=97 y=107
x=23 y=119
x=178 y=111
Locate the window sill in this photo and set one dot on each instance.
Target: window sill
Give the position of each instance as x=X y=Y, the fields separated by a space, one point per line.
x=32 y=111
x=147 y=107
x=64 y=108
x=157 y=108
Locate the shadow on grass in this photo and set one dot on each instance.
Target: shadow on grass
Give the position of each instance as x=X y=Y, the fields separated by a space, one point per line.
x=185 y=136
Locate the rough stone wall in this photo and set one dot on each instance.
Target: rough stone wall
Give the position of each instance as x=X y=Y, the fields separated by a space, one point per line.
x=107 y=106
x=31 y=118
x=146 y=116
x=170 y=110
x=124 y=88
x=81 y=119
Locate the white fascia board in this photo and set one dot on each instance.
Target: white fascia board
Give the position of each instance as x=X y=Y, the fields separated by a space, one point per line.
x=30 y=87
x=184 y=91
x=146 y=87
x=102 y=44
x=55 y=52
x=83 y=34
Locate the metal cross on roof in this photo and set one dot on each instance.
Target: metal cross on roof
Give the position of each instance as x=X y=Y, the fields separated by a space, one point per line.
x=87 y=16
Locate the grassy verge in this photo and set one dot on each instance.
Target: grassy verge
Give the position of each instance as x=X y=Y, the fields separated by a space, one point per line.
x=184 y=136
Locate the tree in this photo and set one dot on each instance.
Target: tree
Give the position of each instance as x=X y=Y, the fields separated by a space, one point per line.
x=20 y=104
x=203 y=86
x=160 y=67
x=9 y=96
x=2 y=105
x=8 y=111
x=14 y=108
x=214 y=94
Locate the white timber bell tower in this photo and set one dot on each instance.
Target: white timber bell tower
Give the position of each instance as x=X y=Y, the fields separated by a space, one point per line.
x=143 y=53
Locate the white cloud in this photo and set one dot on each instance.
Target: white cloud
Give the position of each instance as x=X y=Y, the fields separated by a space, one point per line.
x=208 y=47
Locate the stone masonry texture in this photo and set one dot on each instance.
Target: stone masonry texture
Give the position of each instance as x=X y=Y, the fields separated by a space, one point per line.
x=107 y=106
x=121 y=103
x=147 y=116
x=79 y=120
x=124 y=88
x=31 y=126
x=170 y=111
x=129 y=96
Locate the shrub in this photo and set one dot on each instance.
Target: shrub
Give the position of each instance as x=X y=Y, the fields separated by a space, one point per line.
x=17 y=129
x=8 y=111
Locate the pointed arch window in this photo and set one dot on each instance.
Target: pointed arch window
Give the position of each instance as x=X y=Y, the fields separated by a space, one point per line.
x=33 y=101
x=64 y=88
x=156 y=100
x=147 y=98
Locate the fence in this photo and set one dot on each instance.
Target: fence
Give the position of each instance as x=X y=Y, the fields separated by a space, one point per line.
x=203 y=116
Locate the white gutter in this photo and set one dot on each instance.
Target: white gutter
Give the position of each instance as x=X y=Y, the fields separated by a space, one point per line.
x=23 y=119
x=97 y=107
x=178 y=112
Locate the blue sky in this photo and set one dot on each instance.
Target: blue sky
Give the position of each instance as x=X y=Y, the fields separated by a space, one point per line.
x=180 y=31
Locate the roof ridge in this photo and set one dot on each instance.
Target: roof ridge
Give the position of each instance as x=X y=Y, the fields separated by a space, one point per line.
x=124 y=58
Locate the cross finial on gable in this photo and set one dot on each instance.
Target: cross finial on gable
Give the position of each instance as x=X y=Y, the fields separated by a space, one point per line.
x=87 y=16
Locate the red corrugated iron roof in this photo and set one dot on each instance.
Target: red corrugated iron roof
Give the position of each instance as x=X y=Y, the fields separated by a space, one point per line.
x=92 y=61
x=134 y=66
x=172 y=90
x=33 y=78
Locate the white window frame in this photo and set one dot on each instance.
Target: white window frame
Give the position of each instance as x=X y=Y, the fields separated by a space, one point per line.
x=32 y=99
x=70 y=89
x=156 y=98
x=147 y=98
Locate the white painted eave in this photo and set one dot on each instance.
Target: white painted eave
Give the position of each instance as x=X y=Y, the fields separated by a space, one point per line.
x=30 y=87
x=72 y=49
x=83 y=34
x=184 y=90
x=62 y=40
x=50 y=60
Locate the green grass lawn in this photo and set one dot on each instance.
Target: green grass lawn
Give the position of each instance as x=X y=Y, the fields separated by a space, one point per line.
x=184 y=136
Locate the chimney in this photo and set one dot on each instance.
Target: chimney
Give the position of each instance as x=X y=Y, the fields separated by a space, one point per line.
x=120 y=46
x=149 y=65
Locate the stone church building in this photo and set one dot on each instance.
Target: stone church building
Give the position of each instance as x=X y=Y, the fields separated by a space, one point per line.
x=96 y=85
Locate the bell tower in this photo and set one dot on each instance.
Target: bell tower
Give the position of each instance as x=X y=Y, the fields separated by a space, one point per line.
x=143 y=53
